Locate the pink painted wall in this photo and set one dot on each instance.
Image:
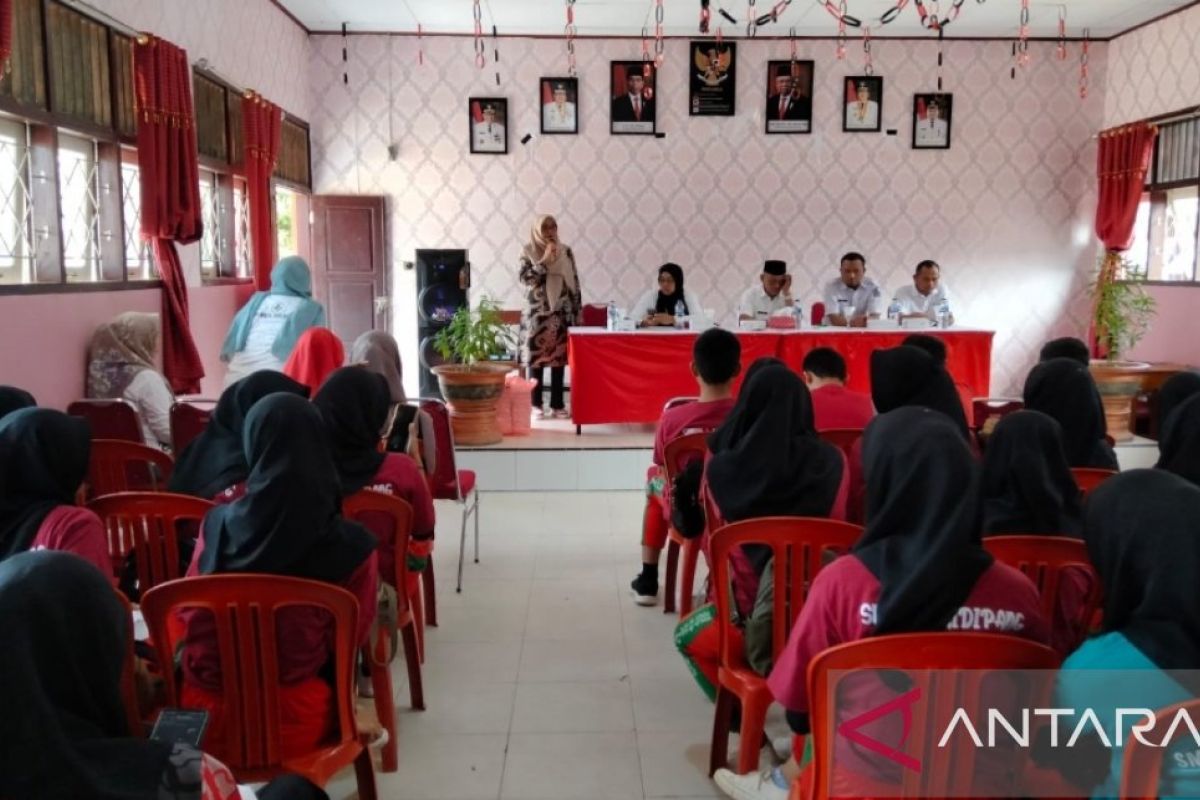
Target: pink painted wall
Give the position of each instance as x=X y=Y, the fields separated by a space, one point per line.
x=1174 y=334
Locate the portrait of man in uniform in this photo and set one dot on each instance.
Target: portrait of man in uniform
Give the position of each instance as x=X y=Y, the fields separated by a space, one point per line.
x=864 y=104
x=560 y=105
x=489 y=117
x=931 y=121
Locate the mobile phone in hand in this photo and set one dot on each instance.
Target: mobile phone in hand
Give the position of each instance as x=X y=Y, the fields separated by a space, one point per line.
x=184 y=725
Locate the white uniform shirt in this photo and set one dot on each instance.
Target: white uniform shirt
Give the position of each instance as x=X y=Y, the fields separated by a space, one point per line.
x=869 y=118
x=863 y=301
x=489 y=137
x=558 y=119
x=913 y=302
x=150 y=394
x=756 y=305
x=267 y=322
x=646 y=304
x=931 y=133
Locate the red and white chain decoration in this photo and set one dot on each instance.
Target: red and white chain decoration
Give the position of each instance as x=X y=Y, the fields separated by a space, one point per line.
x=751 y=20
x=705 y=15
x=795 y=52
x=842 y=23
x=659 y=15
x=941 y=59
x=868 y=64
x=1062 y=33
x=1083 y=63
x=496 y=53
x=420 y=46
x=645 y=53
x=480 y=48
x=931 y=19
x=1023 y=36
x=570 y=30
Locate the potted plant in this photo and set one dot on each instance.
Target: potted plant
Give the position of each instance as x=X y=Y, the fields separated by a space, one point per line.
x=1121 y=316
x=473 y=380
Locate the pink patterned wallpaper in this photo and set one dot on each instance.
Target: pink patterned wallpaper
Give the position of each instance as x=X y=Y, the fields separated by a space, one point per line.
x=1007 y=211
x=250 y=42
x=1154 y=70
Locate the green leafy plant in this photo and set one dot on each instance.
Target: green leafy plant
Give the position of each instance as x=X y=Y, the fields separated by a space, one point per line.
x=1123 y=308
x=474 y=335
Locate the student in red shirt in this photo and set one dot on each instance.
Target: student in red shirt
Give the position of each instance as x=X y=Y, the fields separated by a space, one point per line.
x=716 y=362
x=834 y=406
x=919 y=566
x=43 y=461
x=288 y=523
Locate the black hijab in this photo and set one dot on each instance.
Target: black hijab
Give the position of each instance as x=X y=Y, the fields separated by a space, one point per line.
x=354 y=403
x=910 y=376
x=922 y=539
x=1140 y=530
x=1063 y=389
x=63 y=733
x=214 y=460
x=665 y=304
x=43 y=460
x=289 y=522
x=767 y=459
x=1179 y=445
x=1175 y=390
x=1027 y=484
x=14 y=399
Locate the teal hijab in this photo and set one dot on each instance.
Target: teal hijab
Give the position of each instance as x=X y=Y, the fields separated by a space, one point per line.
x=290 y=277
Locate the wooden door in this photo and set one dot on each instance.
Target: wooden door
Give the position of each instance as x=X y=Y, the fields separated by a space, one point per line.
x=349 y=264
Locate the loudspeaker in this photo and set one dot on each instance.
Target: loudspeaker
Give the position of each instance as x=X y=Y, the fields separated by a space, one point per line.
x=443 y=278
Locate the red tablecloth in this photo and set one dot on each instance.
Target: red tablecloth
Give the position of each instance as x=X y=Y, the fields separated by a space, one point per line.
x=627 y=377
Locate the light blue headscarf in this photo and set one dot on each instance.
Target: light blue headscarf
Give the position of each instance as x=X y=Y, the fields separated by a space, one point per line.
x=290 y=277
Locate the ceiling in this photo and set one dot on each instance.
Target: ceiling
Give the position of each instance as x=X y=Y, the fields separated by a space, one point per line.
x=988 y=18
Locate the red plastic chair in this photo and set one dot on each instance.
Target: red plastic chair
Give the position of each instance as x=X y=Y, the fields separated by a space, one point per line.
x=110 y=419
x=188 y=421
x=680 y=452
x=963 y=661
x=1088 y=478
x=129 y=695
x=799 y=546
x=149 y=525
x=1143 y=766
x=390 y=519
x=985 y=408
x=448 y=482
x=842 y=438
x=428 y=581
x=594 y=315
x=123 y=466
x=244 y=608
x=675 y=402
x=1043 y=559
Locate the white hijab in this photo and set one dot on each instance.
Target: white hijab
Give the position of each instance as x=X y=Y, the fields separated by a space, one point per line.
x=560 y=272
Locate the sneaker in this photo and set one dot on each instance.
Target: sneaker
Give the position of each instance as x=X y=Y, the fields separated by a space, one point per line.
x=781 y=746
x=645 y=592
x=561 y=413
x=749 y=787
x=542 y=413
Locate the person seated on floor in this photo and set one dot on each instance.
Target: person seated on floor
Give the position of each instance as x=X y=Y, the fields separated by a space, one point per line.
x=1173 y=393
x=852 y=298
x=1179 y=445
x=289 y=522
x=66 y=734
x=716 y=362
x=834 y=406
x=1140 y=531
x=658 y=307
x=1064 y=389
x=1066 y=347
x=265 y=330
x=412 y=429
x=766 y=460
x=14 y=399
x=43 y=461
x=213 y=466
x=317 y=353
x=121 y=358
x=773 y=296
x=919 y=566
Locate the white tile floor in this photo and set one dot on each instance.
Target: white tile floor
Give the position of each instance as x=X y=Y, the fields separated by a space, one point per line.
x=543 y=679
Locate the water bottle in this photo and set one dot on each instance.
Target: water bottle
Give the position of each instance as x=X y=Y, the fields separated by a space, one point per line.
x=943 y=314
x=798 y=314
x=841 y=301
x=612 y=315
x=893 y=312
x=680 y=313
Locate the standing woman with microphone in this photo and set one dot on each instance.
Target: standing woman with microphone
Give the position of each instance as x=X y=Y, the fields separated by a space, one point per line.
x=553 y=303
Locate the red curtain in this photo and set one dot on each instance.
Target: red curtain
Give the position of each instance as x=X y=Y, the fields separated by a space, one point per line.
x=6 y=33
x=261 y=121
x=170 y=189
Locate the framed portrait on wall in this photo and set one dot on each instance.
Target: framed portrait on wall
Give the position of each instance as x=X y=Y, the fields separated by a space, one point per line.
x=712 y=80
x=489 y=125
x=789 y=96
x=559 y=99
x=633 y=98
x=863 y=96
x=933 y=114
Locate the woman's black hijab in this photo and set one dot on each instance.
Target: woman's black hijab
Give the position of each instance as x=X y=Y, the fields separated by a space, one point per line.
x=922 y=538
x=910 y=376
x=289 y=522
x=355 y=402
x=767 y=459
x=1027 y=483
x=14 y=399
x=1174 y=392
x=665 y=304
x=1140 y=531
x=1063 y=389
x=43 y=460
x=64 y=731
x=214 y=460
x=1179 y=445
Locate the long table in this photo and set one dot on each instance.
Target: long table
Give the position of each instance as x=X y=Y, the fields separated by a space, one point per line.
x=626 y=377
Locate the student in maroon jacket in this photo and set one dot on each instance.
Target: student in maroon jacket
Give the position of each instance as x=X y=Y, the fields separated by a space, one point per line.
x=834 y=406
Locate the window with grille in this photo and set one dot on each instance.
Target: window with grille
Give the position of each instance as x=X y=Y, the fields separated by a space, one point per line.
x=16 y=205
x=210 y=241
x=241 y=230
x=139 y=266
x=1167 y=229
x=79 y=195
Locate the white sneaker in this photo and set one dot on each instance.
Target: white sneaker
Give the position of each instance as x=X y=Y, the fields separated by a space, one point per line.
x=542 y=413
x=562 y=413
x=782 y=747
x=749 y=787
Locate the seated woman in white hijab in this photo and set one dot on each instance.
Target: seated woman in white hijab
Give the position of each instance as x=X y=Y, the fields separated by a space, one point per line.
x=266 y=329
x=658 y=307
x=412 y=429
x=121 y=365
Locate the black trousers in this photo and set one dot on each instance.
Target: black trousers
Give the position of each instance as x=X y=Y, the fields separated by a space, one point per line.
x=291 y=787
x=537 y=374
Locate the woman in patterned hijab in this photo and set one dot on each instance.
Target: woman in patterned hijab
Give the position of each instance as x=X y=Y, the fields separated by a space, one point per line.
x=121 y=360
